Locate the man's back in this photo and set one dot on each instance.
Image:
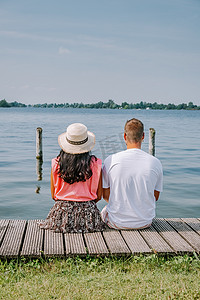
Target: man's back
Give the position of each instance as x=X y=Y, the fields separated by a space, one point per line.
x=132 y=176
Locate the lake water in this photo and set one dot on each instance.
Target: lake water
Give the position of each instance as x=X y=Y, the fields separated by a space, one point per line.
x=177 y=146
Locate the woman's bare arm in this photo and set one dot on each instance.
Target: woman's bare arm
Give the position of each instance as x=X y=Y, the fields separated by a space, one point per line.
x=99 y=189
x=52 y=186
x=106 y=194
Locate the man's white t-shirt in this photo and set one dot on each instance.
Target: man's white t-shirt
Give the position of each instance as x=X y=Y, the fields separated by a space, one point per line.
x=132 y=176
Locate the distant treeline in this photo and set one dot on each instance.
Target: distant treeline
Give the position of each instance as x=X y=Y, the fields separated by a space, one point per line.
x=110 y=104
x=4 y=103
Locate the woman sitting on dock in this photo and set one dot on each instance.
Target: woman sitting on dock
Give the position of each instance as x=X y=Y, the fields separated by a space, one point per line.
x=76 y=184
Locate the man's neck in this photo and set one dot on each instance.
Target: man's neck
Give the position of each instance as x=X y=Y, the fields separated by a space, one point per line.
x=133 y=146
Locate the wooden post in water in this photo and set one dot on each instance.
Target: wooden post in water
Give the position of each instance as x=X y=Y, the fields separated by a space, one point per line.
x=152 y=134
x=39 y=143
x=39 y=163
x=39 y=155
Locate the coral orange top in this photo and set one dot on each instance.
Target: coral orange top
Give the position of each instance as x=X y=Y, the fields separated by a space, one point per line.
x=78 y=191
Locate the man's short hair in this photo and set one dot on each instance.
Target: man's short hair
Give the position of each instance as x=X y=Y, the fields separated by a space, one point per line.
x=134 y=129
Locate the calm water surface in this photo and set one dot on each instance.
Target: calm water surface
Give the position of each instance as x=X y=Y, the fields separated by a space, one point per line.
x=177 y=146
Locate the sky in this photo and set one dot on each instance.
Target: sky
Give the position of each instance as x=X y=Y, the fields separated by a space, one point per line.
x=90 y=50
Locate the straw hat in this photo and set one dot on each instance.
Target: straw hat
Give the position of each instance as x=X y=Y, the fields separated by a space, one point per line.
x=77 y=139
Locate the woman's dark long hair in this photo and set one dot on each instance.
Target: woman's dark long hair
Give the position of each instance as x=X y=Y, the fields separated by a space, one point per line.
x=75 y=167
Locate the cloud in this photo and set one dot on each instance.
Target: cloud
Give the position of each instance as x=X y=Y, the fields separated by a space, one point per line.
x=24 y=87
x=96 y=42
x=34 y=37
x=82 y=40
x=63 y=50
x=44 y=88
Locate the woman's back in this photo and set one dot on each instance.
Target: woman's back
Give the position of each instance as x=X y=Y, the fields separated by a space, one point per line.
x=78 y=191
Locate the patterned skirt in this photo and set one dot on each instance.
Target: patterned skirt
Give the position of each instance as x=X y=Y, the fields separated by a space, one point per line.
x=73 y=217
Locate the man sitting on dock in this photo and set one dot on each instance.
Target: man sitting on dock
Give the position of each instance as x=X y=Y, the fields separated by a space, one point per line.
x=132 y=182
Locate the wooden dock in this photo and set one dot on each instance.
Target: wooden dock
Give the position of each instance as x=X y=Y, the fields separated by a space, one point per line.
x=165 y=236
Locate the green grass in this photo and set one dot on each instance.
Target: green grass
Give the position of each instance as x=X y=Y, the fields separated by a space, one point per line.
x=144 y=277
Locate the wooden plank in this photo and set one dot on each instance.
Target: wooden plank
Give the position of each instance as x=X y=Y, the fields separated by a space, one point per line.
x=115 y=242
x=193 y=223
x=95 y=243
x=155 y=241
x=135 y=241
x=186 y=232
x=165 y=236
x=171 y=236
x=32 y=245
x=3 y=227
x=12 y=241
x=53 y=243
x=74 y=244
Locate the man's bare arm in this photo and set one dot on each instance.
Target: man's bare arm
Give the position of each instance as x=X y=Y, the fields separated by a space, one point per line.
x=106 y=194
x=156 y=194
